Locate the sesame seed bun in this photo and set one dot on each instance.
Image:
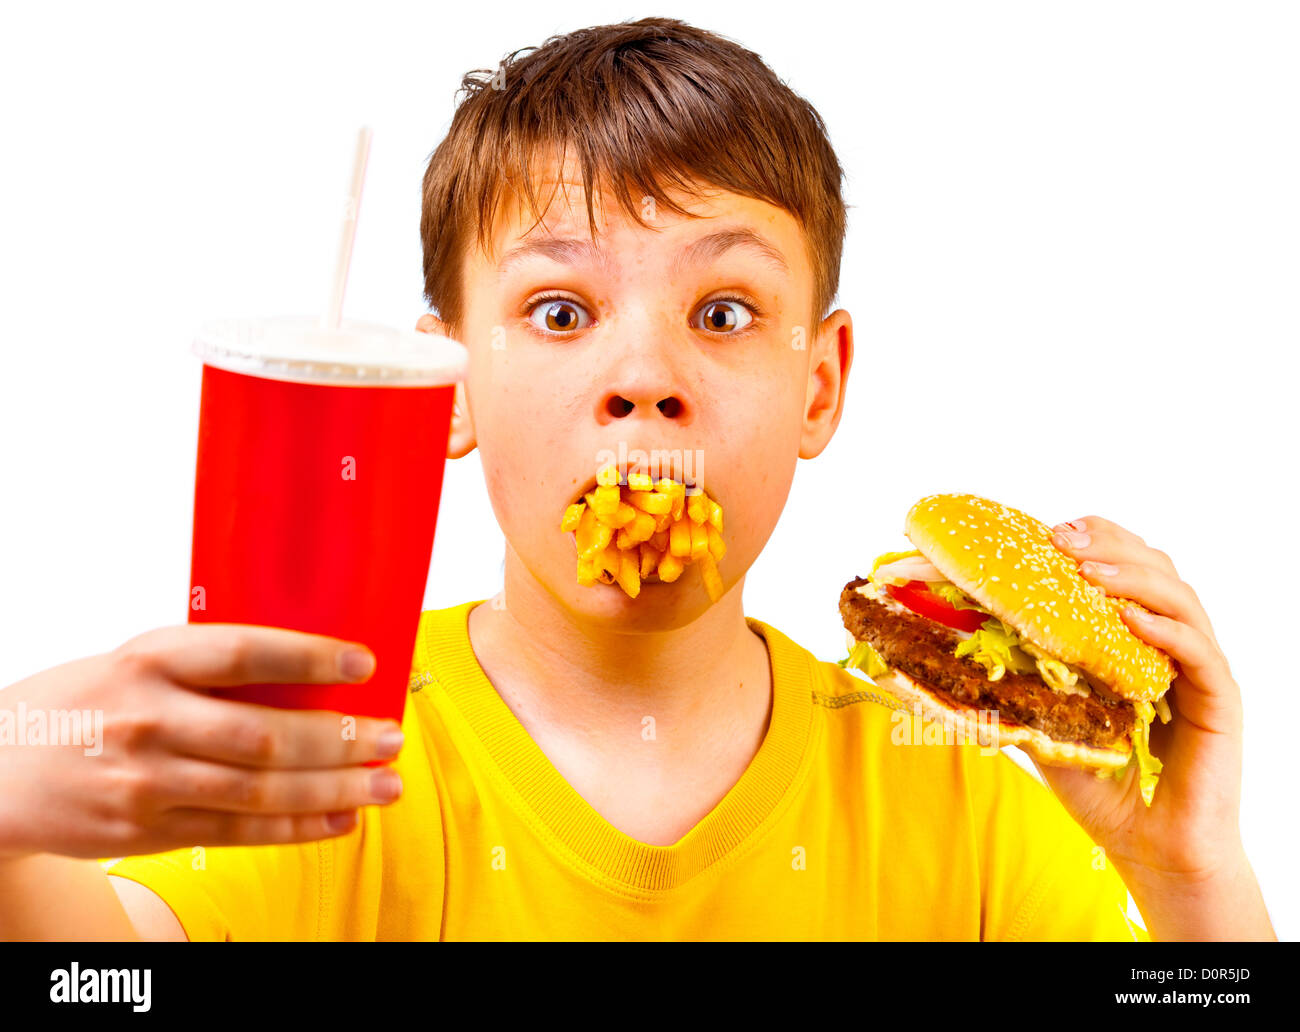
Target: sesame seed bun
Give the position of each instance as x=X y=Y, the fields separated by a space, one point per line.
x=1004 y=559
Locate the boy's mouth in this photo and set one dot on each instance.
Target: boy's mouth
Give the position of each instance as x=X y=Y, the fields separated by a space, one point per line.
x=612 y=475
x=633 y=527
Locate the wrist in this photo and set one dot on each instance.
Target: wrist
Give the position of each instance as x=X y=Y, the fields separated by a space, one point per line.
x=1218 y=903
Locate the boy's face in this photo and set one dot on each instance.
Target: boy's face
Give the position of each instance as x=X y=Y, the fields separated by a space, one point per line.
x=691 y=340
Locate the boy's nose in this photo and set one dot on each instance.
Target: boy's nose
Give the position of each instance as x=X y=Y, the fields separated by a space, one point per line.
x=618 y=405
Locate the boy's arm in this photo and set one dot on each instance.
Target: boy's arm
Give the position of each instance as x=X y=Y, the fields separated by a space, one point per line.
x=1182 y=856
x=152 y=917
x=45 y=897
x=1224 y=907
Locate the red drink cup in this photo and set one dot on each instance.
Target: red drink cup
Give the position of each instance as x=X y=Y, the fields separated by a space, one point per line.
x=320 y=462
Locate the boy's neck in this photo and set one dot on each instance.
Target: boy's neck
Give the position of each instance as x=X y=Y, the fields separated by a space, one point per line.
x=556 y=673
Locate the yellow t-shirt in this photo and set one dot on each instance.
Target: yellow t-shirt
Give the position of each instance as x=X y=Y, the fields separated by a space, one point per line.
x=836 y=830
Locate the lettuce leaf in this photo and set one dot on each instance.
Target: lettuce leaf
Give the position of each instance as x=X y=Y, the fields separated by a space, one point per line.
x=954 y=596
x=994 y=647
x=863 y=657
x=1058 y=674
x=1149 y=767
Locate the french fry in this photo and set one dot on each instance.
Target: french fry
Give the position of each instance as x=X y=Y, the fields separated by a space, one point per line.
x=679 y=538
x=620 y=517
x=649 y=559
x=642 y=528
x=627 y=534
x=585 y=533
x=699 y=540
x=678 y=492
x=670 y=567
x=636 y=531
x=712 y=581
x=607 y=562
x=629 y=576
x=572 y=515
x=605 y=499
x=651 y=501
x=602 y=534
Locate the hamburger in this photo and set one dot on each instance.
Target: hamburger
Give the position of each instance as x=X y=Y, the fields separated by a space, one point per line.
x=985 y=617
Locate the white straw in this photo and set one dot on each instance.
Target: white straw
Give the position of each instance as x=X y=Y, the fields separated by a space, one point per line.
x=330 y=320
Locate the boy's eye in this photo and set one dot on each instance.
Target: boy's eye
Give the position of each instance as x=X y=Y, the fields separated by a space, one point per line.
x=725 y=316
x=558 y=315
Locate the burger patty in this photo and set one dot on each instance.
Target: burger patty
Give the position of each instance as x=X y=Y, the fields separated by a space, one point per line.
x=924 y=650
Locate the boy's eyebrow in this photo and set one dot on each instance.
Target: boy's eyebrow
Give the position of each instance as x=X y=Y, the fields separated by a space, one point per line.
x=710 y=248
x=576 y=250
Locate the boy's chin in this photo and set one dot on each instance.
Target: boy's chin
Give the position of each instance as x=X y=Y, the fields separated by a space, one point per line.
x=658 y=606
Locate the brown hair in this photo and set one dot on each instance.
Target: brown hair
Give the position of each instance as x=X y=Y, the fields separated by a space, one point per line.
x=641 y=102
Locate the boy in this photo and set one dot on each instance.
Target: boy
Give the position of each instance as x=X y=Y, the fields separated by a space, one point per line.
x=636 y=230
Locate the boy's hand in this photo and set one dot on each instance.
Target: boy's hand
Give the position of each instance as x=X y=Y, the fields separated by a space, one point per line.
x=1190 y=832
x=179 y=767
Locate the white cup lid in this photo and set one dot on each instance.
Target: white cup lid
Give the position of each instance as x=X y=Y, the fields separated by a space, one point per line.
x=357 y=354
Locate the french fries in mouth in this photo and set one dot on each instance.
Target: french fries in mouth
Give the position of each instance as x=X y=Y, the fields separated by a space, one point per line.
x=643 y=530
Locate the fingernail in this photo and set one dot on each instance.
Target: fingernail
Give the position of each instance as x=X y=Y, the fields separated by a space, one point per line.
x=1137 y=614
x=385 y=785
x=340 y=821
x=357 y=664
x=1065 y=539
x=1105 y=569
x=389 y=743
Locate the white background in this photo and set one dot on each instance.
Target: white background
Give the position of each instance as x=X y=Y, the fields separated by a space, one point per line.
x=1072 y=265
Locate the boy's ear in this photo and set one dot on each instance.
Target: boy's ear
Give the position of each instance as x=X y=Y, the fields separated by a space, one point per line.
x=828 y=375
x=461 y=439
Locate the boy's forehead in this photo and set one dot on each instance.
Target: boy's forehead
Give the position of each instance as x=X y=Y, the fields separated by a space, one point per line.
x=563 y=214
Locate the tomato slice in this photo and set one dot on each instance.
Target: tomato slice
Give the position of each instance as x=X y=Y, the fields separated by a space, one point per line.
x=918 y=598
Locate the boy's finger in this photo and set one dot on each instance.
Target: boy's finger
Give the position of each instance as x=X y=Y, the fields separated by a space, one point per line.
x=1208 y=695
x=244 y=733
x=1108 y=543
x=1152 y=588
x=1098 y=525
x=211 y=828
x=225 y=655
x=195 y=784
